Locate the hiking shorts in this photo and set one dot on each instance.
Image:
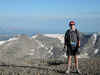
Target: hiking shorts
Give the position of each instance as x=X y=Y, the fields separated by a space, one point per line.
x=72 y=51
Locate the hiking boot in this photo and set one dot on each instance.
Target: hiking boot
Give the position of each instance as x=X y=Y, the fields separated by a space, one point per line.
x=78 y=71
x=67 y=71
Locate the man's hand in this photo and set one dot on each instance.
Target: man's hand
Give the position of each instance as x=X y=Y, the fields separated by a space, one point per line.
x=64 y=46
x=64 y=49
x=79 y=44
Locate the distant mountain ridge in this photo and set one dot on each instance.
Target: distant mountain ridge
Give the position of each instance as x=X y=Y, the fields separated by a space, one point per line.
x=22 y=48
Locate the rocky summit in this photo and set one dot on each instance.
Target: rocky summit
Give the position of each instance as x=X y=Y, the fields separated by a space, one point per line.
x=86 y=66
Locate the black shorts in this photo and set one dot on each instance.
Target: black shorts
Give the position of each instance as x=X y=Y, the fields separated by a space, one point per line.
x=72 y=51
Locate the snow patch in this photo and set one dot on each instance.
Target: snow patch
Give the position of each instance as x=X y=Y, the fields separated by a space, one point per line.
x=82 y=56
x=46 y=48
x=31 y=52
x=85 y=55
x=58 y=36
x=50 y=51
x=34 y=36
x=94 y=38
x=2 y=42
x=40 y=44
x=11 y=39
x=64 y=55
x=96 y=51
x=85 y=48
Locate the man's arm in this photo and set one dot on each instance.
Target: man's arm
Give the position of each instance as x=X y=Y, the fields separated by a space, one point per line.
x=79 y=43
x=65 y=40
x=78 y=38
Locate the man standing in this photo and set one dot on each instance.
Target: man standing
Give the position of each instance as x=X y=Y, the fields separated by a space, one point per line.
x=72 y=43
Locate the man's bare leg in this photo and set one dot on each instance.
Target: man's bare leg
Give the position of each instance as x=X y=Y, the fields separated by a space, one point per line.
x=69 y=64
x=76 y=63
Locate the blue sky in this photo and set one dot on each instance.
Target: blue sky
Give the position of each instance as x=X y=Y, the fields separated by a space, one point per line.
x=47 y=16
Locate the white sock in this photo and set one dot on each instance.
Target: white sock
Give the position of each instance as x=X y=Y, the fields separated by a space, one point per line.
x=68 y=67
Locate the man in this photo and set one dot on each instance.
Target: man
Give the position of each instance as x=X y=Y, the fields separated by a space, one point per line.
x=72 y=43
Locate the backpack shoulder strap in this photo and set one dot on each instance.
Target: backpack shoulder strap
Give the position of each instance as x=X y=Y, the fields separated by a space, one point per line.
x=68 y=34
x=68 y=31
x=76 y=31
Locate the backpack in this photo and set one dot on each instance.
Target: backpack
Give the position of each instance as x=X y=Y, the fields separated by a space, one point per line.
x=73 y=44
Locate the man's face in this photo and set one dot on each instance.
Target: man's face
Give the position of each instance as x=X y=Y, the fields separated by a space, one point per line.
x=72 y=26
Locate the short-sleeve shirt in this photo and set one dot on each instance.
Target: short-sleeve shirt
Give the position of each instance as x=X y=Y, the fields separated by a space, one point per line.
x=72 y=35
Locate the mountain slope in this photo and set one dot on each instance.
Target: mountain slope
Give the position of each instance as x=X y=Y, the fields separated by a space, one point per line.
x=22 y=48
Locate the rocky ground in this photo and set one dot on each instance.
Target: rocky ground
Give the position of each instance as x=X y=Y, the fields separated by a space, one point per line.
x=87 y=67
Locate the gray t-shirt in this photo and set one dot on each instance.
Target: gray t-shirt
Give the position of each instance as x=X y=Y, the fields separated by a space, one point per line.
x=72 y=35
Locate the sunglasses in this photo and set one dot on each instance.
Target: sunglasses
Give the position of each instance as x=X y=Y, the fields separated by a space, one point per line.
x=72 y=24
